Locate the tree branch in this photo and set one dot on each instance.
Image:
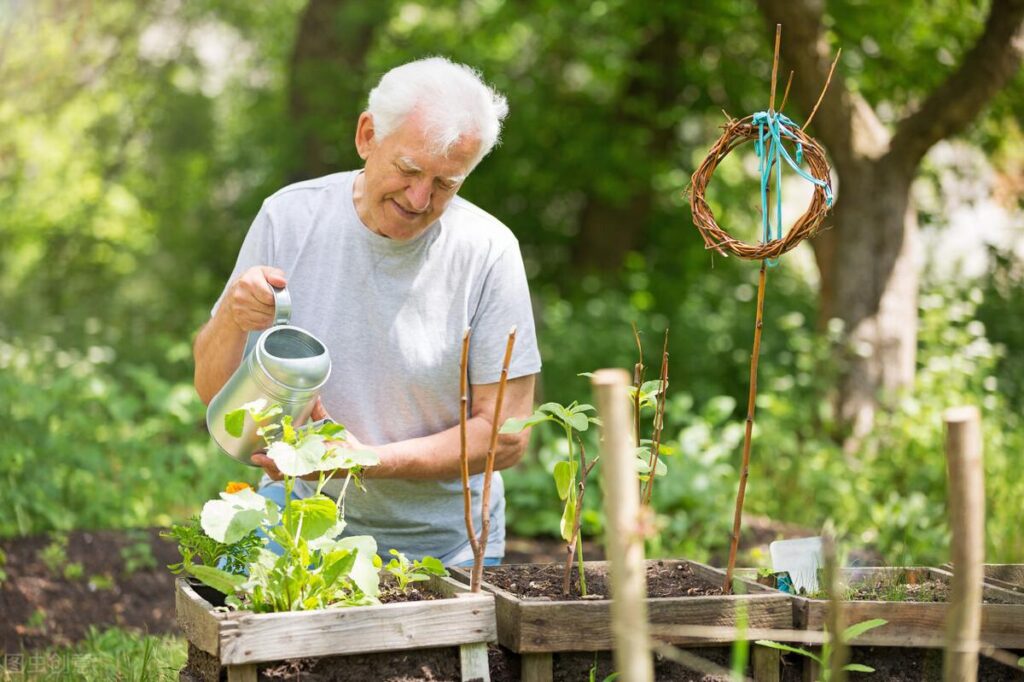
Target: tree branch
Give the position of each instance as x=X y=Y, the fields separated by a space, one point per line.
x=987 y=67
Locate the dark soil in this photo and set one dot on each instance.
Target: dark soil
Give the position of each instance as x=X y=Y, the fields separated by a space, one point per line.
x=664 y=579
x=41 y=607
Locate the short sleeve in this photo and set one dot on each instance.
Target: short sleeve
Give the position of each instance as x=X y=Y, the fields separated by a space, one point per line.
x=504 y=303
x=257 y=249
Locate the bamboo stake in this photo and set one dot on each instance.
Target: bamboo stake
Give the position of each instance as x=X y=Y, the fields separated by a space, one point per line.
x=836 y=623
x=467 y=497
x=485 y=499
x=624 y=541
x=659 y=423
x=967 y=519
x=775 y=65
x=745 y=466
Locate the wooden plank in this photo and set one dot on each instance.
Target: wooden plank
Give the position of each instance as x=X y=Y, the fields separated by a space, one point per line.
x=1002 y=625
x=473 y=662
x=537 y=668
x=253 y=638
x=586 y=625
x=196 y=618
x=242 y=673
x=766 y=663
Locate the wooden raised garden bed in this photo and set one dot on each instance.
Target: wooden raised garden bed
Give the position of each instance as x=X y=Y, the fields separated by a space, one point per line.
x=1006 y=576
x=240 y=640
x=538 y=627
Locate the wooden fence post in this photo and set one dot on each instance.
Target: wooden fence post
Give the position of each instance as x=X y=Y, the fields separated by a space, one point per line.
x=967 y=520
x=624 y=541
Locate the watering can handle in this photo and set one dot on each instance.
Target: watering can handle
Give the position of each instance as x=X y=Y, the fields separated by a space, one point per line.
x=282 y=305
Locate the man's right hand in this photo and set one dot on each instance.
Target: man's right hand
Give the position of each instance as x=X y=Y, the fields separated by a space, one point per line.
x=250 y=300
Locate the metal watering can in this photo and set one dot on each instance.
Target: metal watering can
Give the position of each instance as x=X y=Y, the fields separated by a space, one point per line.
x=285 y=365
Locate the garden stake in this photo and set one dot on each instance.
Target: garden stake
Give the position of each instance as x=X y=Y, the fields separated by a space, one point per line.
x=467 y=497
x=745 y=466
x=659 y=423
x=485 y=499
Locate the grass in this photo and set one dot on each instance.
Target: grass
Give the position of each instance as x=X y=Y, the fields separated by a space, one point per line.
x=113 y=654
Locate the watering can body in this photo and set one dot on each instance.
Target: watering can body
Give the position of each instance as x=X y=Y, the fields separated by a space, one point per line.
x=284 y=365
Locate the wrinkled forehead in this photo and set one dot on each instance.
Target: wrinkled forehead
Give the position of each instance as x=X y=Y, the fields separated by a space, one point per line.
x=416 y=149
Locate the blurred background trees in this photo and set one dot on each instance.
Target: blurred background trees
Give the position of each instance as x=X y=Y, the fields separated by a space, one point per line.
x=137 y=140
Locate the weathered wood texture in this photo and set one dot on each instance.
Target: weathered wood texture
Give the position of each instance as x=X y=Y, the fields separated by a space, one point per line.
x=534 y=626
x=1002 y=625
x=537 y=668
x=766 y=664
x=1006 y=576
x=473 y=662
x=242 y=673
x=242 y=638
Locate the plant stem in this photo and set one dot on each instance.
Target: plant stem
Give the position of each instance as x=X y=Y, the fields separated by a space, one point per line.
x=745 y=466
x=638 y=381
x=659 y=423
x=485 y=499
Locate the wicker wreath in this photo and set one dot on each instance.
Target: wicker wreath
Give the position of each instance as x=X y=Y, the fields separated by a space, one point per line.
x=736 y=132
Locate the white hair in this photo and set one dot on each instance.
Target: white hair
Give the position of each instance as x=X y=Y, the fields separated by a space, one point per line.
x=451 y=99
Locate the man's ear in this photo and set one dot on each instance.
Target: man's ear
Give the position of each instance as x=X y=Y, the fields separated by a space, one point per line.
x=366 y=139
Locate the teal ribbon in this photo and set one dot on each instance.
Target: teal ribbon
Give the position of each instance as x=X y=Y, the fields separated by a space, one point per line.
x=773 y=127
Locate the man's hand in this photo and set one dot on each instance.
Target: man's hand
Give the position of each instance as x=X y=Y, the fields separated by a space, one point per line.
x=249 y=301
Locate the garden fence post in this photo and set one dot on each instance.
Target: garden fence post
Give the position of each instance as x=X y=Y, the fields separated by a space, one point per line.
x=967 y=520
x=624 y=539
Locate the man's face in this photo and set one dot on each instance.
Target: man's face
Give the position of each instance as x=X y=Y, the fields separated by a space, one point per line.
x=406 y=186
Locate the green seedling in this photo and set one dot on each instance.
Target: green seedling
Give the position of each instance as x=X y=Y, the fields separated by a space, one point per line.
x=196 y=547
x=406 y=572
x=55 y=557
x=823 y=660
x=101 y=582
x=570 y=474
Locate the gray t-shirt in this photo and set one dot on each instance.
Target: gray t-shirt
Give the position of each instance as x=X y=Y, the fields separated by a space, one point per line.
x=392 y=315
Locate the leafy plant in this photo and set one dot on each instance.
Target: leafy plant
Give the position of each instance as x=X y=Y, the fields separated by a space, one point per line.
x=137 y=555
x=55 y=557
x=406 y=572
x=849 y=634
x=569 y=474
x=314 y=569
x=195 y=546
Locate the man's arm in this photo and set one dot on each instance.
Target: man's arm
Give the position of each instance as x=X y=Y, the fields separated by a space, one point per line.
x=438 y=456
x=247 y=305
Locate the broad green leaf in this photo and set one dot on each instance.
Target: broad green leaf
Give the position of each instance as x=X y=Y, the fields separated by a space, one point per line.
x=568 y=518
x=311 y=517
x=584 y=408
x=858 y=629
x=287 y=430
x=791 y=649
x=858 y=668
x=330 y=429
x=559 y=412
x=579 y=421
x=235 y=515
x=364 y=571
x=338 y=563
x=301 y=459
x=564 y=476
x=513 y=425
x=234 y=422
x=651 y=387
x=432 y=565
x=343 y=458
x=222 y=581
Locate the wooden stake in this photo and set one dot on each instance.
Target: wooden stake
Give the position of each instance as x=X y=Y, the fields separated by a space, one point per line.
x=624 y=541
x=467 y=496
x=775 y=65
x=967 y=520
x=485 y=499
x=745 y=466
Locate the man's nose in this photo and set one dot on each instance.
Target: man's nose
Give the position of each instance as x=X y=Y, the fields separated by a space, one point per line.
x=419 y=193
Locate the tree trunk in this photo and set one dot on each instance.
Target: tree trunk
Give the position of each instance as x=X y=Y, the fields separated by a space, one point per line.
x=328 y=82
x=873 y=275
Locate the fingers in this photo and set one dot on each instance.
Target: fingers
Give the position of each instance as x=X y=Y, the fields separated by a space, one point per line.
x=267 y=465
x=250 y=299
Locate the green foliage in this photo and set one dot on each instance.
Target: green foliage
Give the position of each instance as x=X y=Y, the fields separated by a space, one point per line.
x=196 y=546
x=406 y=572
x=137 y=555
x=848 y=635
x=111 y=654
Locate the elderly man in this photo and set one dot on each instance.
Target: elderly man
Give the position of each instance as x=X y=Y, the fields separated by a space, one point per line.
x=388 y=266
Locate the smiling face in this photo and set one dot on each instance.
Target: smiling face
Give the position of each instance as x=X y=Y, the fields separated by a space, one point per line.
x=406 y=185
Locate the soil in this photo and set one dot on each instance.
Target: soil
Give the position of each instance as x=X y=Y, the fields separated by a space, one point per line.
x=41 y=607
x=664 y=579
